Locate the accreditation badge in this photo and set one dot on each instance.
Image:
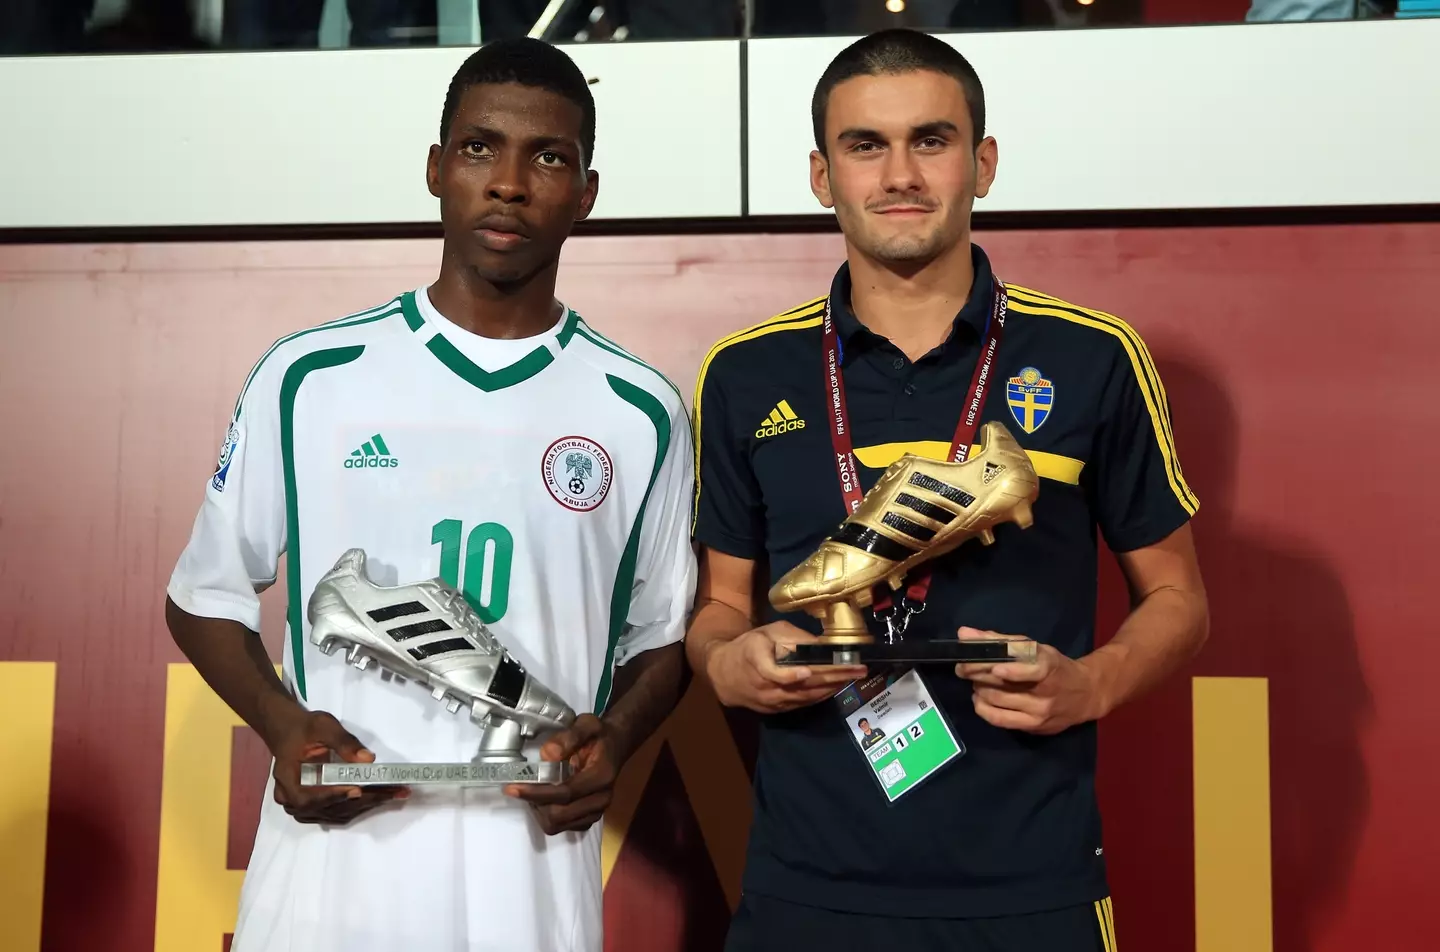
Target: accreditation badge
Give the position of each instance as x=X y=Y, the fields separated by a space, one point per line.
x=899 y=730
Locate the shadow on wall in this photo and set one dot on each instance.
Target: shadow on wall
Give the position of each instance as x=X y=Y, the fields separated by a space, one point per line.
x=1279 y=612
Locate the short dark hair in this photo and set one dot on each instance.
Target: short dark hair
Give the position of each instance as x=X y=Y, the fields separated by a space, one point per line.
x=889 y=52
x=525 y=62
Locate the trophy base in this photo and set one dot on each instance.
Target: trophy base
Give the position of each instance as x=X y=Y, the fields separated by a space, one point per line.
x=842 y=622
x=911 y=652
x=497 y=774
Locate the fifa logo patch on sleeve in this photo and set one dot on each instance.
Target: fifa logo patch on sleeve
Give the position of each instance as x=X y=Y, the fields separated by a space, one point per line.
x=227 y=452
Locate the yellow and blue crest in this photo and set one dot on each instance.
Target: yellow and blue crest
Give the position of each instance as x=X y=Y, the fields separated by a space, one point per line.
x=1031 y=397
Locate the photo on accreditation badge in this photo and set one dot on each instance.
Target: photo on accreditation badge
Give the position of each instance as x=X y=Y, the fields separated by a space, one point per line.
x=867 y=733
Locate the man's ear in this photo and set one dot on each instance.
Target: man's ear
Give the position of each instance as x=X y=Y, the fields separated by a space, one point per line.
x=820 y=178
x=987 y=160
x=588 y=197
x=432 y=170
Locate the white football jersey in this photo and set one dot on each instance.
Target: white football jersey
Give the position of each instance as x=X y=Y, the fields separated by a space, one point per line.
x=550 y=480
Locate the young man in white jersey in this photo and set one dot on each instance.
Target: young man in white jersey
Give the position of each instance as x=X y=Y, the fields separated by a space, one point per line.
x=478 y=431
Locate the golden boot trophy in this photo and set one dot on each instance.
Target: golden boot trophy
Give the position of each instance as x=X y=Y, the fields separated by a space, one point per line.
x=919 y=510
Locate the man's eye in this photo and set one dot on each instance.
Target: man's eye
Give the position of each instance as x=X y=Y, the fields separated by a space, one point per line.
x=476 y=148
x=552 y=159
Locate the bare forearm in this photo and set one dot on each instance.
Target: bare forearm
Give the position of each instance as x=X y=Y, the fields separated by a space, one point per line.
x=713 y=623
x=232 y=660
x=646 y=691
x=1164 y=631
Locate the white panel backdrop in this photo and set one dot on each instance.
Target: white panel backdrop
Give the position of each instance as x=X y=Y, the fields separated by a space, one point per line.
x=1311 y=114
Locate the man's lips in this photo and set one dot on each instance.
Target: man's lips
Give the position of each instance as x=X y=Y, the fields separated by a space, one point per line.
x=903 y=210
x=500 y=232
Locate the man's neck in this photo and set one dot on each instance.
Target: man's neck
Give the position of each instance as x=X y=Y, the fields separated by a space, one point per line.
x=914 y=308
x=503 y=312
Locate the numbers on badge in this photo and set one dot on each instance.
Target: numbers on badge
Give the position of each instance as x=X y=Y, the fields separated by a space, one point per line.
x=916 y=731
x=900 y=741
x=923 y=704
x=488 y=555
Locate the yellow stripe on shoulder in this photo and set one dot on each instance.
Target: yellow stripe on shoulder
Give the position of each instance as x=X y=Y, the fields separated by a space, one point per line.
x=814 y=306
x=1156 y=401
x=1040 y=297
x=809 y=314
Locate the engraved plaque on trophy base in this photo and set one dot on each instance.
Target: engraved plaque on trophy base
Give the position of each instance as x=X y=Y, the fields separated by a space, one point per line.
x=478 y=774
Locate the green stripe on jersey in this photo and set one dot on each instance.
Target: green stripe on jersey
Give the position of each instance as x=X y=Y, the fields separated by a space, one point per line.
x=606 y=344
x=353 y=320
x=290 y=388
x=622 y=593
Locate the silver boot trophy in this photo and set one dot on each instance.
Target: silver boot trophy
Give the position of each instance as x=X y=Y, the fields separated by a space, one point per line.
x=427 y=633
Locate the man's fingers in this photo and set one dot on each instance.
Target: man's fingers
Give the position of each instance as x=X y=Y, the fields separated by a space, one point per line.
x=761 y=655
x=576 y=788
x=785 y=634
x=1001 y=717
x=342 y=812
x=776 y=700
x=992 y=672
x=1021 y=701
x=331 y=808
x=979 y=674
x=770 y=669
x=979 y=634
x=292 y=796
x=560 y=817
x=831 y=676
x=1015 y=673
x=541 y=794
x=326 y=730
x=567 y=743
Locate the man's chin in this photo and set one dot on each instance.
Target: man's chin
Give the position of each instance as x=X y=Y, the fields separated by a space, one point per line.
x=504 y=271
x=907 y=251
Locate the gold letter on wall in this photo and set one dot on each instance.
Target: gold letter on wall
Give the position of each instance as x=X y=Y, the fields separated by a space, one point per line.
x=1232 y=814
x=27 y=725
x=196 y=897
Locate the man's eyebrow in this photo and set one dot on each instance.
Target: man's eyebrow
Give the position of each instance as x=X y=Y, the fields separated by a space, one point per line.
x=933 y=128
x=858 y=135
x=936 y=127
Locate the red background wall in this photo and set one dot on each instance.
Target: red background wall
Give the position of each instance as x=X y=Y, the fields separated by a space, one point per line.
x=1299 y=363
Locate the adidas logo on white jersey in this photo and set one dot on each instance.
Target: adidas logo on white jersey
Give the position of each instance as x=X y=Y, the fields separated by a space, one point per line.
x=372 y=453
x=782 y=419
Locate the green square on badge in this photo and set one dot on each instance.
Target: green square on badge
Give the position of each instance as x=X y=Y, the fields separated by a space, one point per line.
x=921 y=748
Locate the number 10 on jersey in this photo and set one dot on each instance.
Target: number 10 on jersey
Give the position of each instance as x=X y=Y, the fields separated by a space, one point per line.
x=486 y=588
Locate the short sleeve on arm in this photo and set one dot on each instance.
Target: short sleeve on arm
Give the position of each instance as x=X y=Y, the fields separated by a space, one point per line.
x=728 y=511
x=238 y=535
x=664 y=584
x=1140 y=493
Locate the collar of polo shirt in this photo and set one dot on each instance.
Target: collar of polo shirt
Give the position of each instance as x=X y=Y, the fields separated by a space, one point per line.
x=856 y=337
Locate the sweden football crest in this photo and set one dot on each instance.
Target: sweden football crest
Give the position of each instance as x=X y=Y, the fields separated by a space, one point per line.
x=1031 y=398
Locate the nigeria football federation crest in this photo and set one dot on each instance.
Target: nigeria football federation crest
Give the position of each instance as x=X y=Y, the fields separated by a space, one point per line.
x=1031 y=397
x=577 y=472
